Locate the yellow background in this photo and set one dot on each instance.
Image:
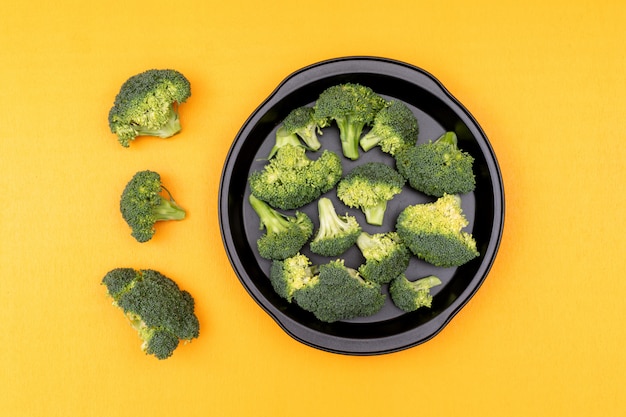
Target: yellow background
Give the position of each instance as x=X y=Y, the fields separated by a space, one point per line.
x=545 y=334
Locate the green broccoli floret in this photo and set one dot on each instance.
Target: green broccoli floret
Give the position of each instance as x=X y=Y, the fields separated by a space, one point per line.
x=147 y=105
x=369 y=187
x=437 y=168
x=291 y=179
x=289 y=275
x=410 y=295
x=160 y=312
x=386 y=256
x=142 y=205
x=352 y=107
x=339 y=293
x=336 y=233
x=284 y=235
x=299 y=125
x=395 y=127
x=432 y=231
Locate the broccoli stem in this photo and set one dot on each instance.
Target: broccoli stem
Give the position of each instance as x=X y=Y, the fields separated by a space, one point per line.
x=283 y=138
x=273 y=221
x=169 y=129
x=350 y=133
x=374 y=215
x=168 y=210
x=370 y=140
x=448 y=137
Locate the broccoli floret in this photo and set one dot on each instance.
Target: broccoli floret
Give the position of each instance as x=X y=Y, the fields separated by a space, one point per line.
x=160 y=312
x=336 y=233
x=432 y=231
x=351 y=107
x=142 y=205
x=147 y=105
x=386 y=256
x=291 y=274
x=284 y=235
x=369 y=187
x=437 y=167
x=339 y=293
x=299 y=125
x=395 y=127
x=291 y=179
x=410 y=295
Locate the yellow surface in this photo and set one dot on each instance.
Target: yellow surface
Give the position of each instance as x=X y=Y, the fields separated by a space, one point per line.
x=545 y=334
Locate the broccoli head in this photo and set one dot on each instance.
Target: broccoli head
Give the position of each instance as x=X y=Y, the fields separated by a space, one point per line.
x=386 y=256
x=284 y=235
x=142 y=205
x=299 y=124
x=336 y=233
x=339 y=293
x=437 y=167
x=352 y=107
x=147 y=105
x=289 y=275
x=160 y=312
x=395 y=127
x=369 y=187
x=291 y=179
x=432 y=231
x=410 y=295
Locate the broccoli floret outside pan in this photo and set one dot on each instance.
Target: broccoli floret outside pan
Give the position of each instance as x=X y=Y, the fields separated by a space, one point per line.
x=408 y=295
x=339 y=293
x=147 y=105
x=395 y=127
x=289 y=275
x=437 y=167
x=336 y=233
x=433 y=232
x=284 y=235
x=386 y=256
x=291 y=179
x=160 y=312
x=369 y=187
x=352 y=107
x=142 y=205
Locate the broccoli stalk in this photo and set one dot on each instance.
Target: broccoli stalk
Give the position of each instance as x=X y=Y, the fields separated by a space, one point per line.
x=336 y=234
x=370 y=187
x=142 y=205
x=351 y=107
x=285 y=235
x=160 y=312
x=147 y=105
x=408 y=295
x=395 y=127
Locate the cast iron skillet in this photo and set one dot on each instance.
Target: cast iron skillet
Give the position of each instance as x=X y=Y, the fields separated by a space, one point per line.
x=437 y=111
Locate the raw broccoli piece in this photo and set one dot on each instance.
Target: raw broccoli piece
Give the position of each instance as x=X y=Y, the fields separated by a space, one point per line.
x=289 y=275
x=432 y=231
x=160 y=312
x=410 y=295
x=299 y=125
x=291 y=179
x=352 y=107
x=284 y=235
x=437 y=168
x=369 y=187
x=336 y=233
x=386 y=256
x=147 y=105
x=142 y=205
x=339 y=293
x=395 y=127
